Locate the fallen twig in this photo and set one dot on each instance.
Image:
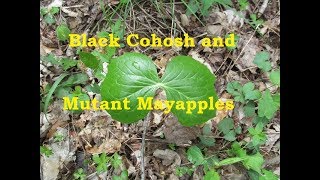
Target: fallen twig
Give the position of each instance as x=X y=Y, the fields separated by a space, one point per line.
x=145 y=124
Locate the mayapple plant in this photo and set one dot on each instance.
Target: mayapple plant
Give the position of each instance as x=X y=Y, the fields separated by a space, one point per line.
x=134 y=75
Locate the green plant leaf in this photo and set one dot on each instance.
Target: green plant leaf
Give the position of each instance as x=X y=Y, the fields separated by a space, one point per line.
x=79 y=174
x=75 y=79
x=268 y=175
x=236 y=39
x=54 y=10
x=130 y=76
x=68 y=63
x=134 y=75
x=62 y=91
x=52 y=89
x=49 y=19
x=267 y=106
x=211 y=175
x=229 y=161
x=225 y=125
x=207 y=140
x=237 y=150
x=101 y=56
x=185 y=79
x=243 y=4
x=46 y=151
x=262 y=61
x=89 y=60
x=230 y=136
x=206 y=130
x=276 y=99
x=101 y=161
x=249 y=92
x=95 y=88
x=63 y=32
x=192 y=7
x=249 y=109
x=96 y=158
x=206 y=4
x=195 y=156
x=43 y=11
x=235 y=89
x=180 y=171
x=262 y=120
x=238 y=130
x=123 y=176
x=275 y=77
x=51 y=58
x=254 y=162
x=116 y=161
x=58 y=137
x=253 y=175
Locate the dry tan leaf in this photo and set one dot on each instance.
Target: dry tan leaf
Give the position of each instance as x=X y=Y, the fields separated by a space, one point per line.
x=108 y=146
x=157 y=117
x=54 y=127
x=74 y=22
x=184 y=20
x=168 y=157
x=44 y=50
x=176 y=133
x=220 y=115
x=246 y=60
x=69 y=12
x=233 y=19
x=214 y=30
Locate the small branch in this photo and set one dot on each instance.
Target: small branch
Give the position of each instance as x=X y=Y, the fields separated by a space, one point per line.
x=145 y=124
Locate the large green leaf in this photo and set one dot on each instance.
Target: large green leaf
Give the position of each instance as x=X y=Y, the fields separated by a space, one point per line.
x=185 y=80
x=131 y=75
x=134 y=75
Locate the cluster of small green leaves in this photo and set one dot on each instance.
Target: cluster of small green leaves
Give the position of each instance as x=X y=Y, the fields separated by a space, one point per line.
x=253 y=163
x=254 y=22
x=103 y=161
x=48 y=15
x=70 y=87
x=236 y=39
x=210 y=164
x=226 y=126
x=261 y=107
x=95 y=60
x=64 y=63
x=243 y=4
x=203 y=6
x=79 y=174
x=46 y=151
x=58 y=137
x=267 y=104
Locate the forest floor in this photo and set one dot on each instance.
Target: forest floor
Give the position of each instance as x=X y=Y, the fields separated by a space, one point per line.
x=73 y=144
